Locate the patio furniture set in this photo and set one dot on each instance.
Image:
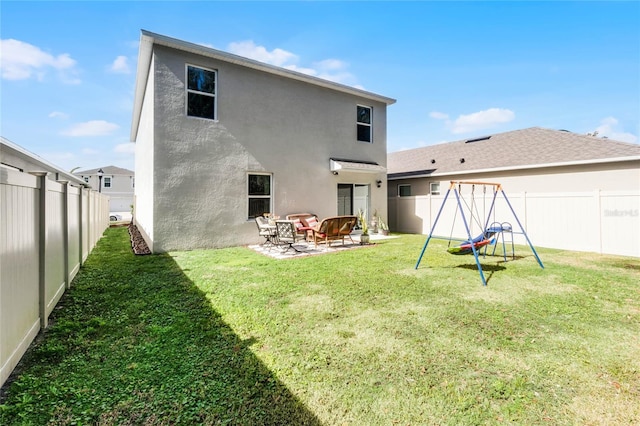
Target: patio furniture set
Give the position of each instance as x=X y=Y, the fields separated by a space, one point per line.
x=305 y=227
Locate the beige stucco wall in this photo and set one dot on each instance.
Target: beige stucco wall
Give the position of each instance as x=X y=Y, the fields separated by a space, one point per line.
x=266 y=123
x=614 y=176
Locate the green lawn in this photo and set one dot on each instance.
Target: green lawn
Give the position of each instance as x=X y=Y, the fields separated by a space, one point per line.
x=352 y=338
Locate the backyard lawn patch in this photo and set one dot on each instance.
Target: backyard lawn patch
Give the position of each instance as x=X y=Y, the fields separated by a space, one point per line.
x=356 y=337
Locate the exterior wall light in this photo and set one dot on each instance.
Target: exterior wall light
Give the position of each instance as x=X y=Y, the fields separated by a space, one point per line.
x=100 y=174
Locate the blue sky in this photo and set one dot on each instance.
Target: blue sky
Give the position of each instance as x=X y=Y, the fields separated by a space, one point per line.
x=457 y=69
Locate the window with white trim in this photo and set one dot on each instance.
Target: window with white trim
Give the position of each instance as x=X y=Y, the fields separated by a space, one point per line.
x=363 y=124
x=107 y=182
x=435 y=188
x=201 y=92
x=404 y=190
x=259 y=194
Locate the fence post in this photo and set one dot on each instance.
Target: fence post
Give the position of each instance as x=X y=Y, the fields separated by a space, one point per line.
x=42 y=247
x=65 y=230
x=526 y=215
x=89 y=227
x=598 y=196
x=80 y=233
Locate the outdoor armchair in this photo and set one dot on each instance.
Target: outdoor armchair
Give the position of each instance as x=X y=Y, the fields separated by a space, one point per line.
x=287 y=235
x=265 y=230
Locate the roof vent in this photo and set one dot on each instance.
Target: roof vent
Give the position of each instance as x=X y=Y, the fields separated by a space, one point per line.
x=433 y=161
x=483 y=138
x=462 y=160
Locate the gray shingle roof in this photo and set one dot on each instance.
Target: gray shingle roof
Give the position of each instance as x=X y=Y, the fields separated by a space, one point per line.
x=524 y=148
x=108 y=170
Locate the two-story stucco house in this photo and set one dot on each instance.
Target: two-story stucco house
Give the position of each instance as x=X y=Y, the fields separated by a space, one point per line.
x=116 y=182
x=221 y=139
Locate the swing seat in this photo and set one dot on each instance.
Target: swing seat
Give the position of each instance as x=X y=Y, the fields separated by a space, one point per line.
x=465 y=248
x=479 y=241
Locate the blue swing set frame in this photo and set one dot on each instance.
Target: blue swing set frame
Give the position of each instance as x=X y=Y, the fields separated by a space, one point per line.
x=475 y=244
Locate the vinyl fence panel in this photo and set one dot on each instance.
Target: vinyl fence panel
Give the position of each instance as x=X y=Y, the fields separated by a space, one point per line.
x=605 y=222
x=48 y=228
x=19 y=267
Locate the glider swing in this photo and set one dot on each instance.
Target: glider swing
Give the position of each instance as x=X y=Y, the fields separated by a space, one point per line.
x=491 y=233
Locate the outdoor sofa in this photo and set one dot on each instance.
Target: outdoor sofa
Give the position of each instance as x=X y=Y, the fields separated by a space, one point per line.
x=332 y=229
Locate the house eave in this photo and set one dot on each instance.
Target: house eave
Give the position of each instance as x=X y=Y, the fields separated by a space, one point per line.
x=424 y=173
x=39 y=162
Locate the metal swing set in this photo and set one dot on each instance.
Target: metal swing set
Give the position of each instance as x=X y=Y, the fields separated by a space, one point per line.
x=492 y=232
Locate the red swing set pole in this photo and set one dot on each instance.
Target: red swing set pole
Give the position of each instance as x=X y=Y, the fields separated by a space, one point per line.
x=498 y=186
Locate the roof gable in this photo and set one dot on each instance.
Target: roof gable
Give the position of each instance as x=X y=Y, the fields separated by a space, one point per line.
x=526 y=148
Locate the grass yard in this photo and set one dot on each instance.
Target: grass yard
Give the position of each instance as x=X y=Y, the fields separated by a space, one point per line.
x=352 y=338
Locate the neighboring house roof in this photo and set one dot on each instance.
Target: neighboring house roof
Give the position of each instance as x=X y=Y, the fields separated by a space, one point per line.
x=534 y=147
x=108 y=170
x=30 y=162
x=148 y=39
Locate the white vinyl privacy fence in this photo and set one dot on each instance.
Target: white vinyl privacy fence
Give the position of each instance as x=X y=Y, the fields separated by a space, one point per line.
x=606 y=222
x=48 y=229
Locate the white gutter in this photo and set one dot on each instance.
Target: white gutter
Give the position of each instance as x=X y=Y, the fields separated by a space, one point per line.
x=525 y=167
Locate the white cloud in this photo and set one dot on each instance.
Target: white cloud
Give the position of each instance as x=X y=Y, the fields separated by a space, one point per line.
x=328 y=69
x=126 y=148
x=609 y=128
x=120 y=65
x=58 y=114
x=439 y=115
x=332 y=64
x=92 y=128
x=481 y=120
x=303 y=70
x=90 y=151
x=249 y=49
x=21 y=61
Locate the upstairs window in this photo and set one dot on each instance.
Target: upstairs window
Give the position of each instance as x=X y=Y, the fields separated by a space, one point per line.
x=435 y=188
x=364 y=123
x=107 y=182
x=259 y=191
x=86 y=178
x=201 y=92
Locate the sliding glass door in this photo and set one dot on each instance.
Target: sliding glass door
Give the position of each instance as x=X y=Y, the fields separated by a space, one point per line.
x=352 y=197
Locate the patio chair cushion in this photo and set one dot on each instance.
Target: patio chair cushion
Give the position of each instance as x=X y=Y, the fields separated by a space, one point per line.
x=304 y=222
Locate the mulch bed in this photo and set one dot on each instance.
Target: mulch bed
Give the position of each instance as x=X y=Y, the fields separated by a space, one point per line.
x=138 y=244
